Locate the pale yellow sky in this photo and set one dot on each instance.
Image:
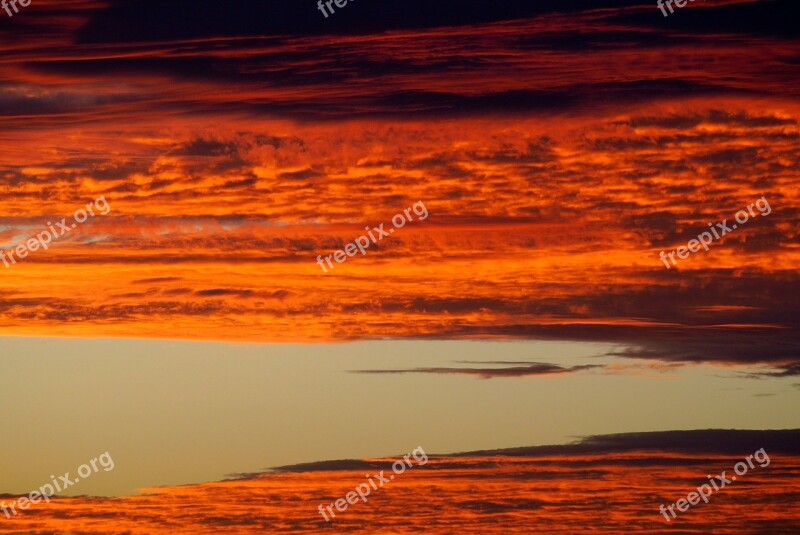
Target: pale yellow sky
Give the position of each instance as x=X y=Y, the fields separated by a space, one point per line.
x=172 y=412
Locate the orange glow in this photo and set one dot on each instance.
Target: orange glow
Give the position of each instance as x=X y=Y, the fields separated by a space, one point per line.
x=612 y=493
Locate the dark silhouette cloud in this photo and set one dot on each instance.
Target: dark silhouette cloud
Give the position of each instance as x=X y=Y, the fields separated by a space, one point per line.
x=526 y=370
x=726 y=441
x=702 y=441
x=134 y=20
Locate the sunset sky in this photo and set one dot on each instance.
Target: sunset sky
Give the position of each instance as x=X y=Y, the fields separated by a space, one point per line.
x=558 y=147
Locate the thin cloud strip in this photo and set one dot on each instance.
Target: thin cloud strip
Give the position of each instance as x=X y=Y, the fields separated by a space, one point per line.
x=530 y=369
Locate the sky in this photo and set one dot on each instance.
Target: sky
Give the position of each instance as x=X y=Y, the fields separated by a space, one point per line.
x=194 y=164
x=176 y=412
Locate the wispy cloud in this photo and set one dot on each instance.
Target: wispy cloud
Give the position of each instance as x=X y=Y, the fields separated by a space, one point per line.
x=783 y=370
x=525 y=370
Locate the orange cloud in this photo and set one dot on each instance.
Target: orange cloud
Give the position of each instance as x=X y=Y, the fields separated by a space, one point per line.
x=557 y=153
x=611 y=483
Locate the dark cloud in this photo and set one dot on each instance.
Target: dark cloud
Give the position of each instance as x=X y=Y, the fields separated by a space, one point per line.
x=278 y=52
x=206 y=147
x=151 y=20
x=217 y=292
x=744 y=156
x=656 y=228
x=529 y=369
x=685 y=121
x=136 y=20
x=785 y=370
x=303 y=174
x=732 y=442
x=773 y=18
x=442 y=104
x=710 y=441
x=321 y=466
x=27 y=100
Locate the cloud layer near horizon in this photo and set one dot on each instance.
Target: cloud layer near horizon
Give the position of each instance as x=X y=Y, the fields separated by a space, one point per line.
x=620 y=480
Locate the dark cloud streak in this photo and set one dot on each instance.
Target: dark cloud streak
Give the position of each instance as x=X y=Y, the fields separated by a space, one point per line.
x=529 y=369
